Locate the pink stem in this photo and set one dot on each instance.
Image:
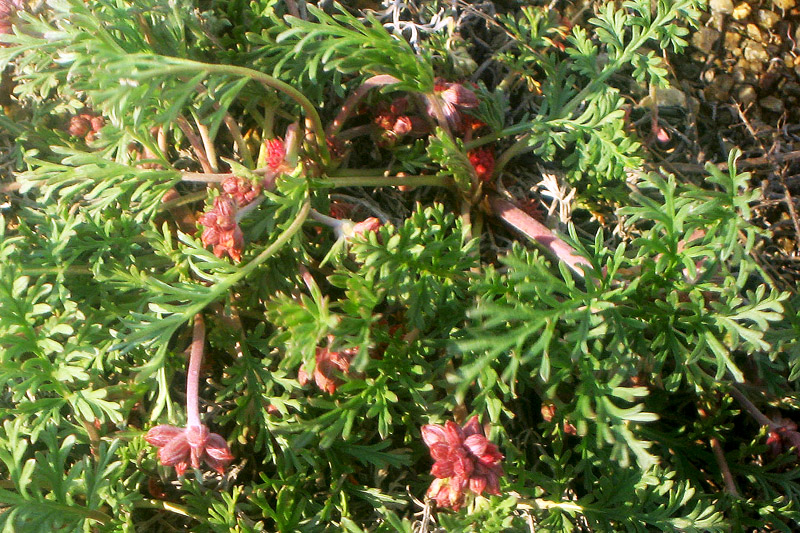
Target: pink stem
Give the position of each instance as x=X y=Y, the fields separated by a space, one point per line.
x=193 y=375
x=525 y=224
x=349 y=105
x=752 y=410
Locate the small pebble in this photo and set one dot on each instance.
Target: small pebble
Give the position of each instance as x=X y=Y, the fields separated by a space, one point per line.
x=721 y=87
x=723 y=7
x=792 y=88
x=755 y=52
x=784 y=4
x=772 y=103
x=732 y=40
x=767 y=19
x=742 y=11
x=754 y=33
x=705 y=38
x=746 y=95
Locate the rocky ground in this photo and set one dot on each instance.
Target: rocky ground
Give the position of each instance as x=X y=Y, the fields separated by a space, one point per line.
x=738 y=85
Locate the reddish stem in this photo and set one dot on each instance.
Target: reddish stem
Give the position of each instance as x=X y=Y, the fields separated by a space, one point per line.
x=193 y=375
x=525 y=224
x=752 y=410
x=349 y=105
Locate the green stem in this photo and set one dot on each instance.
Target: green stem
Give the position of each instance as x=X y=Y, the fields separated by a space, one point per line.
x=184 y=200
x=165 y=506
x=174 y=320
x=282 y=239
x=187 y=65
x=341 y=172
x=436 y=180
x=505 y=132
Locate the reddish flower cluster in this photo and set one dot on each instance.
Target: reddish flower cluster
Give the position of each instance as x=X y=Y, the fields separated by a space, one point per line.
x=785 y=436
x=180 y=447
x=455 y=99
x=86 y=125
x=393 y=119
x=328 y=365
x=221 y=230
x=276 y=152
x=464 y=459
x=242 y=190
x=482 y=160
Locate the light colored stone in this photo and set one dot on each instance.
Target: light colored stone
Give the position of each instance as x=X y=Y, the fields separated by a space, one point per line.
x=722 y=7
x=772 y=103
x=754 y=33
x=705 y=38
x=784 y=4
x=746 y=95
x=742 y=11
x=767 y=19
x=755 y=52
x=664 y=97
x=732 y=40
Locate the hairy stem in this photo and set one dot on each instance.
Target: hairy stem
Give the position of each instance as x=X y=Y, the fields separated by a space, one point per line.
x=197 y=144
x=525 y=224
x=437 y=180
x=352 y=101
x=193 y=375
x=751 y=409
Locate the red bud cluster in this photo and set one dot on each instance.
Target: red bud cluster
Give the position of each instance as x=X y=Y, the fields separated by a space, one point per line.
x=394 y=119
x=276 y=152
x=86 y=125
x=328 y=365
x=455 y=99
x=784 y=437
x=242 y=190
x=465 y=460
x=221 y=230
x=482 y=159
x=193 y=445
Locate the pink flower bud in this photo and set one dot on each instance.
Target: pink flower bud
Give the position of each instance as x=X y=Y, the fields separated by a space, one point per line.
x=276 y=152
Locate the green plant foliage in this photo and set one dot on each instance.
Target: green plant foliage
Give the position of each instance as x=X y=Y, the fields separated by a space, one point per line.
x=580 y=111
x=652 y=389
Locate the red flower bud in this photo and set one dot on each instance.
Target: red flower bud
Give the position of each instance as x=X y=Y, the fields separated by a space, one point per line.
x=79 y=126
x=276 y=152
x=482 y=160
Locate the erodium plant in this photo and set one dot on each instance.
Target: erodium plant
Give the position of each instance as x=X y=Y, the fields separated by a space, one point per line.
x=332 y=209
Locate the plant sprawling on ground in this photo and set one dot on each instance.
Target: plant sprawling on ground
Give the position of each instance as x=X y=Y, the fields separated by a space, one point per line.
x=270 y=266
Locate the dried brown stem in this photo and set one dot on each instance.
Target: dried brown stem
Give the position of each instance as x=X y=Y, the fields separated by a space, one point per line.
x=197 y=144
x=208 y=145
